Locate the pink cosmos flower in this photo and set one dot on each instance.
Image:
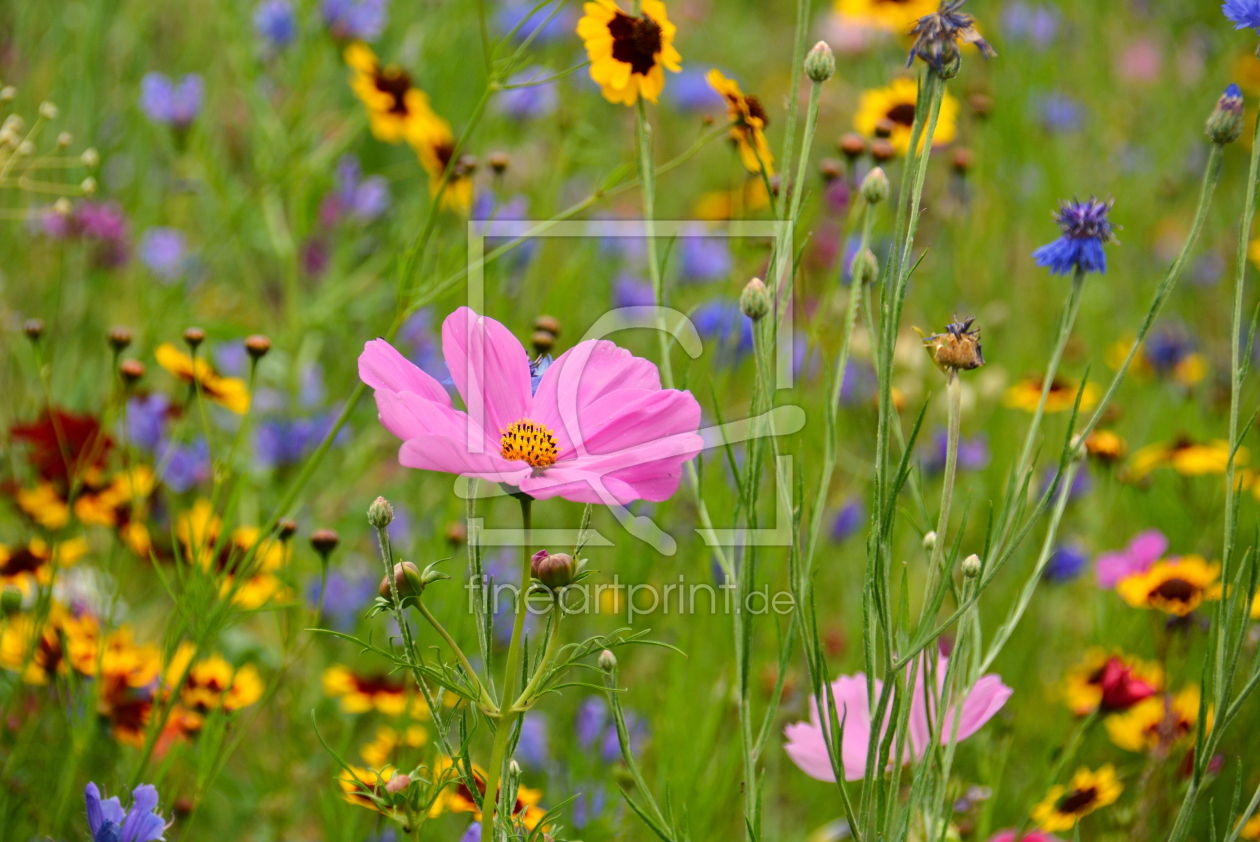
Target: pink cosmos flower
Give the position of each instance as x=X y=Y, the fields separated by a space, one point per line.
x=1029 y=836
x=1145 y=549
x=808 y=750
x=595 y=427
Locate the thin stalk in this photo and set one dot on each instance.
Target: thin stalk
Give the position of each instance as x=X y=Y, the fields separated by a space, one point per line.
x=487 y=703
x=511 y=675
x=647 y=177
x=953 y=403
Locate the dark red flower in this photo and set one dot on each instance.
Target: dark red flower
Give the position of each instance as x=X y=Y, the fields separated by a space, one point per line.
x=63 y=445
x=1121 y=689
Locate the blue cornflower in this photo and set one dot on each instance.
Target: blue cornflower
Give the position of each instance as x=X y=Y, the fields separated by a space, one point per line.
x=1166 y=348
x=1038 y=24
x=1244 y=14
x=1066 y=563
x=531 y=102
x=537 y=368
x=184 y=466
x=347 y=592
x=629 y=291
x=171 y=103
x=532 y=747
x=146 y=420
x=848 y=520
x=596 y=729
x=526 y=19
x=287 y=441
x=364 y=199
x=720 y=320
x=354 y=20
x=973 y=453
x=110 y=823
x=704 y=258
x=162 y=251
x=276 y=23
x=690 y=91
x=1086 y=230
x=1060 y=113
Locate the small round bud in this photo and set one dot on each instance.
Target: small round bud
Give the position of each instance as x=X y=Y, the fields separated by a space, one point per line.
x=1225 y=125
x=542 y=341
x=820 y=63
x=130 y=371
x=754 y=301
x=26 y=147
x=981 y=104
x=962 y=160
x=548 y=323
x=554 y=571
x=48 y=110
x=853 y=145
x=7 y=93
x=257 y=346
x=498 y=162
x=64 y=139
x=34 y=329
x=456 y=533
x=971 y=566
x=194 y=336
x=119 y=337
x=62 y=207
x=875 y=187
x=607 y=660
x=882 y=151
x=865 y=267
x=929 y=541
x=324 y=541
x=90 y=157
x=380 y=513
x=465 y=166
x=10 y=600
x=830 y=169
x=407 y=580
x=88 y=186
x=288 y=529
x=397 y=784
x=885 y=128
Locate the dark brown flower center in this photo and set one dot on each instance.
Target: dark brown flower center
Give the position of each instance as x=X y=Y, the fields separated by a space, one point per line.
x=21 y=560
x=902 y=114
x=1077 y=800
x=1175 y=590
x=395 y=82
x=636 y=41
x=756 y=111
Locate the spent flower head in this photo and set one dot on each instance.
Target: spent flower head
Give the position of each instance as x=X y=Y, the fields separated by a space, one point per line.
x=937 y=36
x=958 y=348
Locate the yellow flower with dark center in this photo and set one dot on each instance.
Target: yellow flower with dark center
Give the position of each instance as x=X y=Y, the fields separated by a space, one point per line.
x=360 y=694
x=1083 y=688
x=102 y=506
x=212 y=683
x=1186 y=457
x=1188 y=368
x=44 y=505
x=354 y=789
x=231 y=392
x=457 y=798
x=382 y=748
x=1154 y=722
x=1106 y=446
x=719 y=205
x=35 y=560
x=1062 y=395
x=435 y=146
x=749 y=121
x=40 y=651
x=891 y=15
x=1088 y=790
x=896 y=104
x=1176 y=586
x=629 y=55
x=397 y=110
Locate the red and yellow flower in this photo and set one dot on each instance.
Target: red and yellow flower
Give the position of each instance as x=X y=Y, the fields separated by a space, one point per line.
x=1158 y=722
x=1109 y=682
x=361 y=694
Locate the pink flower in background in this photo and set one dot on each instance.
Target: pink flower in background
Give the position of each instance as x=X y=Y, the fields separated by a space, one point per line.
x=1145 y=549
x=1140 y=61
x=593 y=427
x=808 y=750
x=1029 y=836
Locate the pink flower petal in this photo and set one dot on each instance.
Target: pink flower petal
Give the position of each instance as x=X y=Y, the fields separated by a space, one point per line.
x=383 y=368
x=451 y=456
x=1149 y=545
x=627 y=418
x=587 y=372
x=409 y=416
x=807 y=747
x=490 y=369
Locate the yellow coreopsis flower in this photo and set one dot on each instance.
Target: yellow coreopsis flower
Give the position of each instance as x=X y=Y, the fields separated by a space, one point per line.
x=360 y=694
x=1148 y=723
x=629 y=55
x=435 y=146
x=1026 y=394
x=212 y=682
x=398 y=111
x=231 y=392
x=1088 y=790
x=1176 y=586
x=896 y=105
x=1186 y=457
x=891 y=15
x=749 y=121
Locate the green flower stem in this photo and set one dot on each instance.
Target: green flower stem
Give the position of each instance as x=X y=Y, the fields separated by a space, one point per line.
x=511 y=675
x=1066 y=756
x=647 y=177
x=953 y=404
x=525 y=700
x=487 y=704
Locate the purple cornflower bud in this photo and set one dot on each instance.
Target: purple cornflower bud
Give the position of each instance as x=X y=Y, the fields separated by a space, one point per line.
x=171 y=103
x=1086 y=229
x=276 y=23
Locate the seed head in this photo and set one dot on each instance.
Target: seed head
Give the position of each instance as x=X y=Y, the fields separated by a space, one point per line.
x=324 y=541
x=257 y=346
x=119 y=337
x=852 y=145
x=34 y=329
x=194 y=336
x=958 y=348
x=130 y=371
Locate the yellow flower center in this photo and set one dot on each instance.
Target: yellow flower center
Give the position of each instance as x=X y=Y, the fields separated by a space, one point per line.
x=529 y=442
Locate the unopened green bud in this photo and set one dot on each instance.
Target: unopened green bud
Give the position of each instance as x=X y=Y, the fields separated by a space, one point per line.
x=607 y=661
x=820 y=63
x=380 y=513
x=1225 y=124
x=875 y=187
x=10 y=600
x=971 y=566
x=754 y=301
x=407 y=580
x=865 y=267
x=554 y=571
x=929 y=541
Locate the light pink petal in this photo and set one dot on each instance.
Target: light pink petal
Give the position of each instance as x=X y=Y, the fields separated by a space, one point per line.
x=383 y=368
x=1149 y=545
x=582 y=375
x=655 y=482
x=981 y=705
x=1110 y=568
x=490 y=369
x=410 y=416
x=920 y=705
x=579 y=487
x=625 y=418
x=807 y=747
x=678 y=448
x=451 y=456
